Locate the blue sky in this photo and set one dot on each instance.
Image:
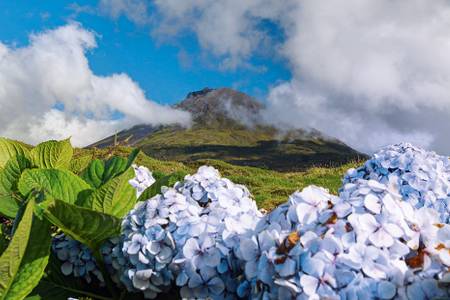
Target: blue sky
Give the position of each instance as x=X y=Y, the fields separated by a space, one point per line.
x=126 y=47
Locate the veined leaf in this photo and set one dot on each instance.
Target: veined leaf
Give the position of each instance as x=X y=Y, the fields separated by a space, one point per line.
x=99 y=172
x=113 y=167
x=116 y=197
x=85 y=225
x=77 y=165
x=58 y=184
x=9 y=178
x=10 y=148
x=52 y=154
x=34 y=262
x=22 y=264
x=155 y=188
x=13 y=255
x=93 y=174
x=8 y=206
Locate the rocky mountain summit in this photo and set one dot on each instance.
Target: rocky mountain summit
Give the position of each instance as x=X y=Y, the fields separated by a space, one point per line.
x=227 y=125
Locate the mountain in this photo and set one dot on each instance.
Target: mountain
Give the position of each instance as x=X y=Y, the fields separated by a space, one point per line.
x=226 y=126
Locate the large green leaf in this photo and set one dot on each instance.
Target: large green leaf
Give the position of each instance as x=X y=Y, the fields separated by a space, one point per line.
x=52 y=154
x=87 y=226
x=10 y=148
x=22 y=264
x=9 y=178
x=8 y=206
x=13 y=255
x=56 y=286
x=34 y=262
x=58 y=184
x=155 y=188
x=99 y=172
x=50 y=290
x=93 y=174
x=117 y=197
x=113 y=167
x=77 y=165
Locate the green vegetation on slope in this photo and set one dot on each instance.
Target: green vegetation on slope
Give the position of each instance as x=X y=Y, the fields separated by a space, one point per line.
x=269 y=188
x=202 y=136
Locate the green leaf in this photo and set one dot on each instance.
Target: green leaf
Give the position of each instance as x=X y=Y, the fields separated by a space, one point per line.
x=10 y=148
x=13 y=255
x=77 y=165
x=9 y=178
x=155 y=188
x=23 y=262
x=132 y=157
x=113 y=167
x=49 y=290
x=99 y=172
x=34 y=262
x=117 y=197
x=56 y=286
x=8 y=207
x=52 y=154
x=58 y=184
x=87 y=226
x=93 y=174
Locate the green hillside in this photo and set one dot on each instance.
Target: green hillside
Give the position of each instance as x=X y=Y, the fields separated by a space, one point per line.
x=227 y=126
x=267 y=186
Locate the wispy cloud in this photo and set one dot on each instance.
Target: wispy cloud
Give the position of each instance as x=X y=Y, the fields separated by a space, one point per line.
x=135 y=10
x=47 y=90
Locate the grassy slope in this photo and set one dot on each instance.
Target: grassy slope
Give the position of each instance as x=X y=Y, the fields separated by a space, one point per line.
x=258 y=148
x=203 y=136
x=269 y=188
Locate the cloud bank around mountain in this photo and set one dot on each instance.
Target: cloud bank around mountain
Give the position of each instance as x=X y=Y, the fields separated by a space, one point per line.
x=367 y=72
x=48 y=90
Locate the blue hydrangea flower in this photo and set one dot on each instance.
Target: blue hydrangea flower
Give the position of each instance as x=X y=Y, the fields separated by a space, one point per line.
x=374 y=241
x=386 y=236
x=76 y=258
x=187 y=236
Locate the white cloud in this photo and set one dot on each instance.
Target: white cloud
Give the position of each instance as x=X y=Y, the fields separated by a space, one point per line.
x=53 y=71
x=228 y=29
x=368 y=72
x=135 y=10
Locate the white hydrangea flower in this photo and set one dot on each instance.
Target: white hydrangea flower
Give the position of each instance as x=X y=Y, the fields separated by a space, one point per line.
x=423 y=177
x=142 y=180
x=385 y=237
x=187 y=235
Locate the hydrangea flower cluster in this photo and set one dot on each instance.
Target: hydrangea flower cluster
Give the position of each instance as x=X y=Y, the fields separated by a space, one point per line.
x=423 y=177
x=386 y=236
x=187 y=235
x=371 y=242
x=77 y=258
